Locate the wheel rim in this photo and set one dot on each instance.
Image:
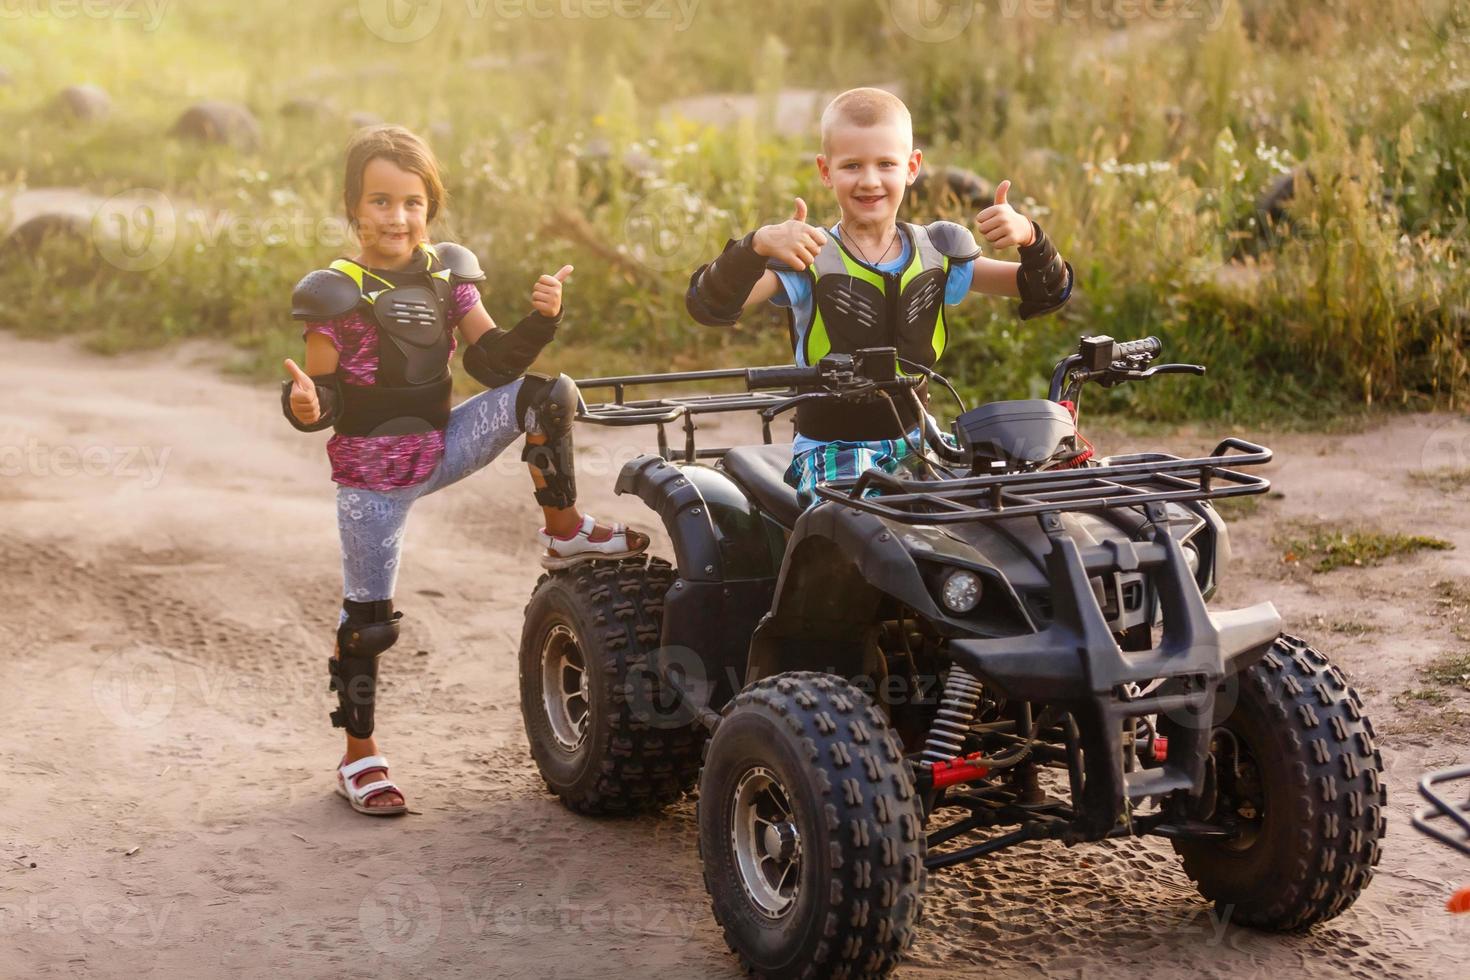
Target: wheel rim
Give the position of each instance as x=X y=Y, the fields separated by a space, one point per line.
x=766 y=842
x=564 y=693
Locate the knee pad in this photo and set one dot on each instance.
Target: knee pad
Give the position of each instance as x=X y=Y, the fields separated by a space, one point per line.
x=554 y=402
x=370 y=628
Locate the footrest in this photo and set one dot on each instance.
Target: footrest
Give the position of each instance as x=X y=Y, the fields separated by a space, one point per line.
x=1156 y=782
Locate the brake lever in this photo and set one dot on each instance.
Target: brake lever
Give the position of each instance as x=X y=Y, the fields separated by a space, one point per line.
x=1114 y=378
x=1177 y=369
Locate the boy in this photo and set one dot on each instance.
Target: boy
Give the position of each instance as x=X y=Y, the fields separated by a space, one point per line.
x=870 y=281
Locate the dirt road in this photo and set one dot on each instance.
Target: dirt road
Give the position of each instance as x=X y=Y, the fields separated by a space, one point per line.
x=169 y=578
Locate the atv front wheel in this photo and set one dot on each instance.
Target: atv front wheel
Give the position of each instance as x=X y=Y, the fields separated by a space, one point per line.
x=809 y=831
x=594 y=710
x=1297 y=777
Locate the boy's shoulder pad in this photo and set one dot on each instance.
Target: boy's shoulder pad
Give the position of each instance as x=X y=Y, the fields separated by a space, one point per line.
x=953 y=240
x=460 y=261
x=323 y=295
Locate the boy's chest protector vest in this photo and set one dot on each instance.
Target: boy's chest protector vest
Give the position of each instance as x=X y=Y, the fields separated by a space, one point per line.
x=855 y=306
x=411 y=389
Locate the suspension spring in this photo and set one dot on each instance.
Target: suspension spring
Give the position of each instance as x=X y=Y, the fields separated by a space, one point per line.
x=957 y=707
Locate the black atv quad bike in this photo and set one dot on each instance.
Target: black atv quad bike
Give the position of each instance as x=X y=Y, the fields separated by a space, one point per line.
x=1011 y=643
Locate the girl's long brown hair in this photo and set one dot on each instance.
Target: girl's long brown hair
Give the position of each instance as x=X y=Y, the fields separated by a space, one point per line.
x=398 y=146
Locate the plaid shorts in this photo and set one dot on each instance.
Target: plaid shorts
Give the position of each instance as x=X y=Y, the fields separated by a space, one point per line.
x=844 y=460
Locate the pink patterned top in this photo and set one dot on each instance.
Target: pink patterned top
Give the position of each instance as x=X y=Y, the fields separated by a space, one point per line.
x=381 y=462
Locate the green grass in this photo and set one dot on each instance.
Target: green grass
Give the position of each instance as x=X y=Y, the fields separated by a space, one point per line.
x=1346 y=627
x=1450 y=670
x=1424 y=695
x=1239 y=508
x=1140 y=146
x=1324 y=548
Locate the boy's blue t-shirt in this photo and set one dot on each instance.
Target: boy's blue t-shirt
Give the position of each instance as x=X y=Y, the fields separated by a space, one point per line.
x=796 y=292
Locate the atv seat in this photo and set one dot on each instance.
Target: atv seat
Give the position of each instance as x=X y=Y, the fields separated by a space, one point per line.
x=761 y=471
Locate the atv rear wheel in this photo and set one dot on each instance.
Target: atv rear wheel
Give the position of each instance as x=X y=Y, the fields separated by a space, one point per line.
x=592 y=705
x=809 y=831
x=1297 y=775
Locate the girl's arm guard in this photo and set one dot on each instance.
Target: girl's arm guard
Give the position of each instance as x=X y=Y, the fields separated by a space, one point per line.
x=501 y=356
x=328 y=400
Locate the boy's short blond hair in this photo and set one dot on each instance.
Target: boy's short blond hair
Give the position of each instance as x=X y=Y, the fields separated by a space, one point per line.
x=865 y=107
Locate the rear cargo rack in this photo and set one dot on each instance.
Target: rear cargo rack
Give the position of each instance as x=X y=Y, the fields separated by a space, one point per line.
x=1127 y=481
x=681 y=410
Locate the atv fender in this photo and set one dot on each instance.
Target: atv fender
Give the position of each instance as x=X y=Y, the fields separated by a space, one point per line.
x=728 y=555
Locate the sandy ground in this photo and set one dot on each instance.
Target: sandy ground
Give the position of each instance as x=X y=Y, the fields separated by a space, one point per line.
x=170 y=580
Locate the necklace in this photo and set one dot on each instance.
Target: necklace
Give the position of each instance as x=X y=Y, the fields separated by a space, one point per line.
x=882 y=255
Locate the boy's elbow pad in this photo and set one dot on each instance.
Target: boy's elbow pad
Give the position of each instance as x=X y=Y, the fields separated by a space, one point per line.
x=1044 y=279
x=1042 y=303
x=698 y=305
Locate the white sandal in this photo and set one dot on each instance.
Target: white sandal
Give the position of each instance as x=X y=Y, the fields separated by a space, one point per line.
x=565 y=552
x=358 y=796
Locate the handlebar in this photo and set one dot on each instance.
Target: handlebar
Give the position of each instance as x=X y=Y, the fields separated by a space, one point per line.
x=782 y=376
x=1151 y=346
x=867 y=370
x=1108 y=362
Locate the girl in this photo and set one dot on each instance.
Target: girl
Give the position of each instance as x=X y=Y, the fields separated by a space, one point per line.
x=379 y=337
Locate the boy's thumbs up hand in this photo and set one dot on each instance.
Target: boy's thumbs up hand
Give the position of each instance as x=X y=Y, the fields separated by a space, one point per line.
x=304 y=403
x=1002 y=225
x=793 y=241
x=546 y=294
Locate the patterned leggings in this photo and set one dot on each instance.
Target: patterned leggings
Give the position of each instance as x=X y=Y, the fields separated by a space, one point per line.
x=372 y=522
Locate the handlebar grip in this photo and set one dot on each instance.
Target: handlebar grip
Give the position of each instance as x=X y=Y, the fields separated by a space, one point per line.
x=1151 y=346
x=783 y=376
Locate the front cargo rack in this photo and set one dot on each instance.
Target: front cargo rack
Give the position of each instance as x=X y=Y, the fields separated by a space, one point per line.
x=1126 y=481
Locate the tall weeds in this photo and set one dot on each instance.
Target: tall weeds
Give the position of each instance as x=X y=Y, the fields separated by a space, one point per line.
x=1142 y=145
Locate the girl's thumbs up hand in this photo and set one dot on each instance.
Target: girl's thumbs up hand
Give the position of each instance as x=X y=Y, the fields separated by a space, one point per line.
x=1002 y=225
x=546 y=294
x=304 y=403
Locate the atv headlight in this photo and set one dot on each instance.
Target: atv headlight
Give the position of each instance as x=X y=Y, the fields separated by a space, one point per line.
x=961 y=591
